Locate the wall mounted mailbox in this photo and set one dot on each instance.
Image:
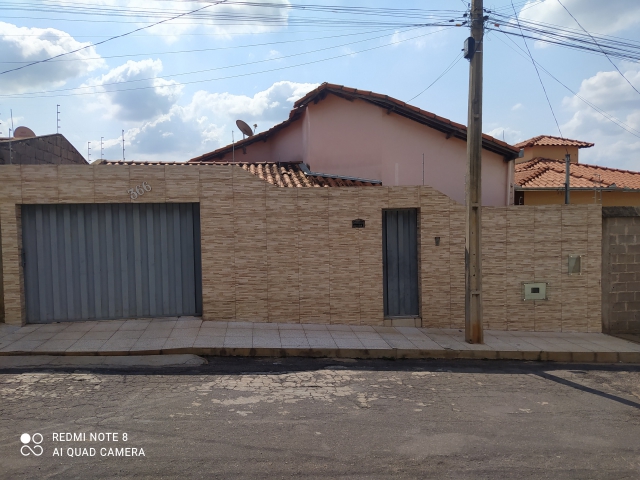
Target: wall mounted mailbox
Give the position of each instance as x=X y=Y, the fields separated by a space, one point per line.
x=357 y=223
x=534 y=291
x=575 y=265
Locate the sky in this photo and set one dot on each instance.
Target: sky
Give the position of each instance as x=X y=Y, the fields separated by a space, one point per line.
x=176 y=88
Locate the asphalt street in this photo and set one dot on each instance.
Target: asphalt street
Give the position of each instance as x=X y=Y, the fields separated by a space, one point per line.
x=323 y=418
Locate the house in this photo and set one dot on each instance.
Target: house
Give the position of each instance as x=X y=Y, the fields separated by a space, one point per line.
x=27 y=148
x=268 y=242
x=548 y=146
x=320 y=219
x=362 y=134
x=540 y=181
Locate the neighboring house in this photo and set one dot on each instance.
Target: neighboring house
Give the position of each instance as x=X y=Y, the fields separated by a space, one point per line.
x=547 y=146
x=367 y=135
x=540 y=181
x=26 y=148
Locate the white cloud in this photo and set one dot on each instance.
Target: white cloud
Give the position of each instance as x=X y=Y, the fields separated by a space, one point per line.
x=224 y=20
x=611 y=93
x=5 y=123
x=205 y=123
x=506 y=134
x=21 y=44
x=596 y=16
x=517 y=106
x=143 y=98
x=418 y=39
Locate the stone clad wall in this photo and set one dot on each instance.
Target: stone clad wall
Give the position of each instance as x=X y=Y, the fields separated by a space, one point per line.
x=621 y=270
x=274 y=254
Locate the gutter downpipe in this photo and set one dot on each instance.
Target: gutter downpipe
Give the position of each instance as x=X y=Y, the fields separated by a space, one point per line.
x=510 y=180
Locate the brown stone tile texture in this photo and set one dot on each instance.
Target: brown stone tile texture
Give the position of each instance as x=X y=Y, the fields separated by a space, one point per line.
x=494 y=267
x=434 y=259
x=403 y=197
x=344 y=256
x=283 y=292
x=138 y=174
x=39 y=183
x=593 y=268
x=457 y=228
x=182 y=183
x=11 y=184
x=314 y=254
x=111 y=183
x=218 y=243
x=76 y=184
x=520 y=266
x=574 y=287
x=291 y=255
x=547 y=267
x=250 y=230
x=371 y=202
x=11 y=265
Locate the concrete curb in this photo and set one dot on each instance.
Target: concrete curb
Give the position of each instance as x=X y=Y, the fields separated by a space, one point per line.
x=100 y=361
x=389 y=353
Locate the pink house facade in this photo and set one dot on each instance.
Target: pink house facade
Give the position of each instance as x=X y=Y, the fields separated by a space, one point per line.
x=343 y=131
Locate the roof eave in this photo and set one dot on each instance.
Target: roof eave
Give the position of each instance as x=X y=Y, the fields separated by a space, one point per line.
x=586 y=189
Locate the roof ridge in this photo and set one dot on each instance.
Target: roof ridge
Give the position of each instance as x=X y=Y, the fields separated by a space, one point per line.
x=563 y=141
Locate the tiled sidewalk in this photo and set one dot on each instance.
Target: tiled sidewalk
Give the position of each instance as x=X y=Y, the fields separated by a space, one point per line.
x=191 y=335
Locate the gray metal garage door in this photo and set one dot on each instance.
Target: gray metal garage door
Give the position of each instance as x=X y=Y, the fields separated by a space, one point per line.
x=105 y=261
x=400 y=262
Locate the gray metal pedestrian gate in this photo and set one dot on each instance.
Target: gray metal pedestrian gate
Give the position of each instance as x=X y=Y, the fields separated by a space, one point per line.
x=400 y=262
x=107 y=261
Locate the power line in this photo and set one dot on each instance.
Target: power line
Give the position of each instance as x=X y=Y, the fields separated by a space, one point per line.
x=111 y=38
x=204 y=70
x=198 y=50
x=607 y=116
x=242 y=74
x=594 y=41
x=451 y=65
x=539 y=77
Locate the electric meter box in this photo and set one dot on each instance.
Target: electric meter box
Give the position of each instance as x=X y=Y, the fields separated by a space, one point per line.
x=534 y=291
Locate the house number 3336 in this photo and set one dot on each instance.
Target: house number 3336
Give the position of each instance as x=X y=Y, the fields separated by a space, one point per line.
x=139 y=190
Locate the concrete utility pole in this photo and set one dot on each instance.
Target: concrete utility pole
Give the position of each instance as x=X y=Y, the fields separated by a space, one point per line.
x=473 y=251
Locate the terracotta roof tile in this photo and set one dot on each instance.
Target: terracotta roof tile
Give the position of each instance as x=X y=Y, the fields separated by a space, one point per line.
x=286 y=175
x=550 y=141
x=547 y=173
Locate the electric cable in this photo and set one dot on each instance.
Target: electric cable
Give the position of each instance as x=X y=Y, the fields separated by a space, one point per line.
x=451 y=65
x=541 y=82
x=27 y=94
x=198 y=50
x=607 y=116
x=605 y=53
x=109 y=39
x=238 y=75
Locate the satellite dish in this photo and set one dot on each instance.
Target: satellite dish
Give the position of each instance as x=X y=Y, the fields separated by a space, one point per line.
x=244 y=128
x=23 y=132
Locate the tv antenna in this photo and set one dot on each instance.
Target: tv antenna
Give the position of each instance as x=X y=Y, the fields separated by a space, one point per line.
x=123 y=145
x=245 y=128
